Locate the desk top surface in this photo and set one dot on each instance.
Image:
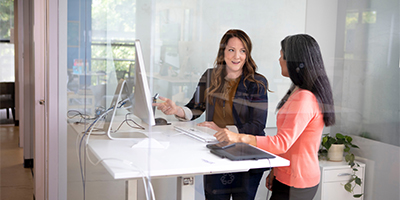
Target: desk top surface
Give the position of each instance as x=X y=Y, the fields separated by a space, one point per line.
x=176 y=155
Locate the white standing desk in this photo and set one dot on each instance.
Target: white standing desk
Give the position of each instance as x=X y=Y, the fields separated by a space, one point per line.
x=183 y=157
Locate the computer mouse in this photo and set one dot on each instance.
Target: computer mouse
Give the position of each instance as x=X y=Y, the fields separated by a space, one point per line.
x=161 y=121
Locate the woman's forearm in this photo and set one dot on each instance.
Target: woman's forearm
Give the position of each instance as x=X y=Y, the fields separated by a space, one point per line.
x=249 y=139
x=179 y=112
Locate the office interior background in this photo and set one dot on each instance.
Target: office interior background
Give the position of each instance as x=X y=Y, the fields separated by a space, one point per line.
x=72 y=53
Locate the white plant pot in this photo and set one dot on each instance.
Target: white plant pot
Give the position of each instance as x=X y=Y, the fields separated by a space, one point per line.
x=335 y=153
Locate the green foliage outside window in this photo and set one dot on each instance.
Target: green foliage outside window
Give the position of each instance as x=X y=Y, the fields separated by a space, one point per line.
x=351 y=20
x=122 y=57
x=369 y=17
x=113 y=27
x=6 y=18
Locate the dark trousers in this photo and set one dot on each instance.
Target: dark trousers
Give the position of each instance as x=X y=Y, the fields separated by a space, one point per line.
x=281 y=191
x=241 y=185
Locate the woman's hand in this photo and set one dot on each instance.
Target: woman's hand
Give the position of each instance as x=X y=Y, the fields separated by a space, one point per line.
x=169 y=107
x=228 y=136
x=211 y=125
x=232 y=137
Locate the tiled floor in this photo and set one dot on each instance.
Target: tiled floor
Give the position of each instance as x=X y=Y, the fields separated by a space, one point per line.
x=16 y=181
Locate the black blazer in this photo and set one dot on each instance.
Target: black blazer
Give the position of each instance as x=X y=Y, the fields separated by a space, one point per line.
x=250 y=104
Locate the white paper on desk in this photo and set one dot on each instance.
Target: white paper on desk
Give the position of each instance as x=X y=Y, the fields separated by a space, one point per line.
x=151 y=143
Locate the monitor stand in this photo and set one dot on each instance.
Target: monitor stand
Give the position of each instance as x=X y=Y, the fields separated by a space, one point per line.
x=120 y=134
x=127 y=135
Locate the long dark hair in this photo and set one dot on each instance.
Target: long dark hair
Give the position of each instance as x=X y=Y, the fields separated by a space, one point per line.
x=306 y=70
x=219 y=72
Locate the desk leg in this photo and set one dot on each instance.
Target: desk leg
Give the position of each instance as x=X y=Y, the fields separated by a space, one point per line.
x=131 y=190
x=185 y=188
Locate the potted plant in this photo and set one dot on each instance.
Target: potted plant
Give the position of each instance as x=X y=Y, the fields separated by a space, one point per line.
x=343 y=143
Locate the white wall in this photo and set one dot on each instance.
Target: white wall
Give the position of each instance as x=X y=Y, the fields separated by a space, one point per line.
x=366 y=90
x=382 y=176
x=323 y=29
x=199 y=26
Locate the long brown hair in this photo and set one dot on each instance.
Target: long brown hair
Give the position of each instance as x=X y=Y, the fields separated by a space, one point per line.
x=307 y=71
x=219 y=72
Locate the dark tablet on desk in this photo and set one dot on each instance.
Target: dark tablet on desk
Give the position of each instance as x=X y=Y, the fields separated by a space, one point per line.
x=241 y=151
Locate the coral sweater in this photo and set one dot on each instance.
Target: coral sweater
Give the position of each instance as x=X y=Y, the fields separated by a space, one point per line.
x=300 y=124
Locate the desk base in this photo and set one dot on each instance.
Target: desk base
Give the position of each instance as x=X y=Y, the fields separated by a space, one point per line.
x=131 y=190
x=185 y=188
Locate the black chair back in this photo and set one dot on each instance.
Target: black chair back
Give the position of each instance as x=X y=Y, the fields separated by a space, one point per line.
x=7 y=97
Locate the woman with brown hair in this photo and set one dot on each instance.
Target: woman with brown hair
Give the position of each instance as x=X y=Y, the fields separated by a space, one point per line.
x=235 y=97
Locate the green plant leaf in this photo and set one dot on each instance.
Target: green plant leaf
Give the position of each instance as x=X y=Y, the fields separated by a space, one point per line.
x=324 y=139
x=357 y=195
x=347 y=187
x=350 y=158
x=339 y=136
x=330 y=142
x=347 y=158
x=358 y=181
x=348 y=139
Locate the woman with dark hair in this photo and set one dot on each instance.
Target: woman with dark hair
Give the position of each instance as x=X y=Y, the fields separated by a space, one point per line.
x=302 y=114
x=235 y=97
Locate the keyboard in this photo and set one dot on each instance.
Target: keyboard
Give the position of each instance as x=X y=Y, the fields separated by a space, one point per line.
x=201 y=133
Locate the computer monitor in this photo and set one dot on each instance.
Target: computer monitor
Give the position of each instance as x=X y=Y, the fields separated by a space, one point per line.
x=140 y=104
x=142 y=101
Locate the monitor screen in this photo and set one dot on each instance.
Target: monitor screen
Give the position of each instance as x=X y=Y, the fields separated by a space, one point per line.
x=142 y=99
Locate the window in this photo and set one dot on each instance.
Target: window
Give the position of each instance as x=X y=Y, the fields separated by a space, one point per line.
x=6 y=46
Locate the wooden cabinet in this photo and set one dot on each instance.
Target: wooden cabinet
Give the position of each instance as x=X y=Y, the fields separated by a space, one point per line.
x=333 y=177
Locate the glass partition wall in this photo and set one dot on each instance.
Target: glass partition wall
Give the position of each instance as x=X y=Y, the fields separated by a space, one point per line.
x=180 y=39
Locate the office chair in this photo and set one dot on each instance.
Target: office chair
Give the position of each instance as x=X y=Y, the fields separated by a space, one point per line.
x=7 y=97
